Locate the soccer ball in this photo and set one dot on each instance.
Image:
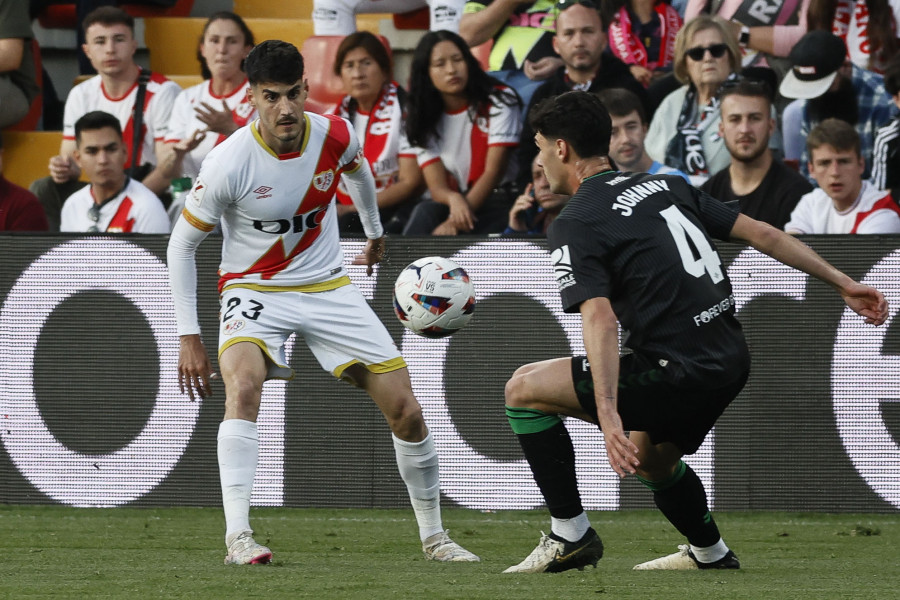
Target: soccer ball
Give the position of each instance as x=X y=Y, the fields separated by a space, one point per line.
x=433 y=297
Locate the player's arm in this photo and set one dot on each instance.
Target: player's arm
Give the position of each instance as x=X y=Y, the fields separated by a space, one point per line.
x=601 y=340
x=360 y=184
x=864 y=300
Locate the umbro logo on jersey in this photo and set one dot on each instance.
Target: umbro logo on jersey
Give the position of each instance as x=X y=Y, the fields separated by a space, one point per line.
x=322 y=181
x=263 y=192
x=562 y=267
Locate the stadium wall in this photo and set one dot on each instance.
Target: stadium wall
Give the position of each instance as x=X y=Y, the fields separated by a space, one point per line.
x=90 y=413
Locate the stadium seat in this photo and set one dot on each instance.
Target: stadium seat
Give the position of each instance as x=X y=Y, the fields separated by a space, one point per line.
x=26 y=154
x=325 y=88
x=33 y=118
x=63 y=16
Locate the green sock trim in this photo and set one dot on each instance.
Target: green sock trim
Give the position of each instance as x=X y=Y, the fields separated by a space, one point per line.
x=658 y=486
x=529 y=420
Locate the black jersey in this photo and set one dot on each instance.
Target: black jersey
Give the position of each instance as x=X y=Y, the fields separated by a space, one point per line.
x=645 y=243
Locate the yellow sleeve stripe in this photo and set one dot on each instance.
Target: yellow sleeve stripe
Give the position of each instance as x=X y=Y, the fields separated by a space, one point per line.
x=201 y=225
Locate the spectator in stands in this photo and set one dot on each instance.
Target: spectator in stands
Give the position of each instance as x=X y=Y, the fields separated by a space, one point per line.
x=82 y=9
x=642 y=35
x=759 y=184
x=886 y=155
x=20 y=210
x=376 y=105
x=111 y=46
x=580 y=40
x=536 y=207
x=867 y=27
x=204 y=115
x=684 y=132
x=629 y=129
x=112 y=202
x=843 y=202
x=18 y=80
x=463 y=126
x=522 y=55
x=828 y=85
x=338 y=17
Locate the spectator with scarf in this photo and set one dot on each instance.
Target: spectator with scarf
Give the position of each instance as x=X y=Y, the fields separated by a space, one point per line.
x=376 y=106
x=642 y=34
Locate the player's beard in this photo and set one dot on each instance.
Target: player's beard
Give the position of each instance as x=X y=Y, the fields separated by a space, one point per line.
x=839 y=104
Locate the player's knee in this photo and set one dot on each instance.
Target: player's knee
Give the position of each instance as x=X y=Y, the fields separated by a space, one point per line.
x=404 y=414
x=517 y=391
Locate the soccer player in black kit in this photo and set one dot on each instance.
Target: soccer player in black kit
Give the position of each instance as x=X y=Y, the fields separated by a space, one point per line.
x=638 y=249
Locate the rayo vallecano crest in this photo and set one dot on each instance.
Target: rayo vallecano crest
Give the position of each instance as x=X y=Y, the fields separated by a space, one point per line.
x=322 y=181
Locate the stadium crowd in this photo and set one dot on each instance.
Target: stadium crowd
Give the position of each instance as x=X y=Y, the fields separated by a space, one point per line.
x=450 y=144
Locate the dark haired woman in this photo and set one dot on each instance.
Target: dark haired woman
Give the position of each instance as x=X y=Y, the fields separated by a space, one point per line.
x=462 y=125
x=375 y=105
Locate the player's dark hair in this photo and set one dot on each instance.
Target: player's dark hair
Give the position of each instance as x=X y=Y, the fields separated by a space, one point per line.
x=108 y=15
x=620 y=102
x=274 y=61
x=94 y=120
x=223 y=15
x=426 y=104
x=579 y=118
x=836 y=133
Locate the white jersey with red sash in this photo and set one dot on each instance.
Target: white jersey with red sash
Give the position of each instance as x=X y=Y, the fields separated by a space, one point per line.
x=464 y=141
x=278 y=219
x=135 y=209
x=184 y=121
x=873 y=212
x=382 y=137
x=159 y=98
x=851 y=22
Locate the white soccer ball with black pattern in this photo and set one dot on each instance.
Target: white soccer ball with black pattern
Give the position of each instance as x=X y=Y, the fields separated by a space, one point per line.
x=433 y=297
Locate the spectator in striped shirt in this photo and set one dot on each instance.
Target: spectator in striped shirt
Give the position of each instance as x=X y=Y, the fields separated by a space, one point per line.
x=886 y=155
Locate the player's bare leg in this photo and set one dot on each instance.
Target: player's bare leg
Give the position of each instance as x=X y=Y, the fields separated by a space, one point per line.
x=416 y=457
x=537 y=396
x=243 y=368
x=680 y=496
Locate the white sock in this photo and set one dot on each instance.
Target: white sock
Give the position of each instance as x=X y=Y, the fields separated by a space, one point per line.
x=710 y=554
x=238 y=449
x=418 y=464
x=572 y=529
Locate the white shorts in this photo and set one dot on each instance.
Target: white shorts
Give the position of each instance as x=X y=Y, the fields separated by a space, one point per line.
x=338 y=325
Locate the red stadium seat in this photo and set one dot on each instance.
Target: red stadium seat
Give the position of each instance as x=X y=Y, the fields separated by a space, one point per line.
x=63 y=16
x=325 y=88
x=31 y=120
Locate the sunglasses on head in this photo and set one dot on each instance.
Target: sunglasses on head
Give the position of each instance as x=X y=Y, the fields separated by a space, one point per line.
x=564 y=4
x=698 y=52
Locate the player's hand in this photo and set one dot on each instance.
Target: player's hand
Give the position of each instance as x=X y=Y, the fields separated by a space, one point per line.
x=541 y=69
x=621 y=452
x=372 y=254
x=461 y=215
x=63 y=169
x=194 y=368
x=867 y=302
x=522 y=203
x=218 y=121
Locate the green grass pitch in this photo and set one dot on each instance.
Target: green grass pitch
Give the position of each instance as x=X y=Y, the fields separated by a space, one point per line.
x=59 y=552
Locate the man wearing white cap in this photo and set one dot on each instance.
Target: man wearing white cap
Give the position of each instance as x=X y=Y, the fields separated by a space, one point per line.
x=828 y=85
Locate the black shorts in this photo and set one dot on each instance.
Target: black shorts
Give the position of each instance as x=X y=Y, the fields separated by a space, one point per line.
x=648 y=401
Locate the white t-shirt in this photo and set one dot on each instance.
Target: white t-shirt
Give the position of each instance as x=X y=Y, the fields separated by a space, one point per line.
x=158 y=100
x=278 y=219
x=133 y=210
x=184 y=121
x=463 y=144
x=873 y=212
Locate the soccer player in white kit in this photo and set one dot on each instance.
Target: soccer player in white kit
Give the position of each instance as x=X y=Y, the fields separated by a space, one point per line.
x=272 y=185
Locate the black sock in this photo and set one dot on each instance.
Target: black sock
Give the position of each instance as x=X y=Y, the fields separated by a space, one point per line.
x=682 y=500
x=552 y=459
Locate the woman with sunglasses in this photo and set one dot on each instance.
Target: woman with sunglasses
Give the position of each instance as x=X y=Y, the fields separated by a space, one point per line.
x=463 y=126
x=684 y=132
x=376 y=106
